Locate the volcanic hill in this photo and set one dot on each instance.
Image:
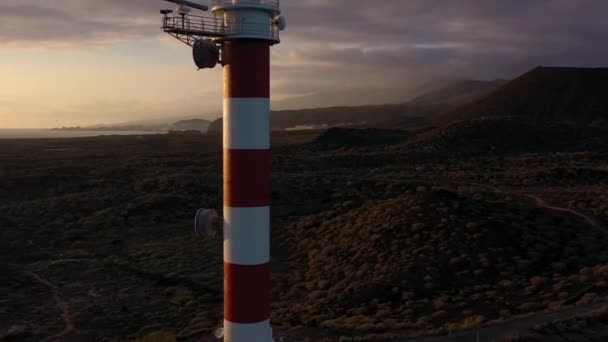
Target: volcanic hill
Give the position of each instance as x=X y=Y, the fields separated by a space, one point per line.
x=426 y=256
x=544 y=94
x=415 y=112
x=508 y=135
x=457 y=93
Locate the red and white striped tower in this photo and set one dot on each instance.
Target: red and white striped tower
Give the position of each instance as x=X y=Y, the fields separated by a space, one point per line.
x=252 y=28
x=245 y=30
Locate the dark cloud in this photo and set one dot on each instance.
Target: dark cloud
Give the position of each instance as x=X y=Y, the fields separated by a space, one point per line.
x=75 y=22
x=337 y=43
x=404 y=42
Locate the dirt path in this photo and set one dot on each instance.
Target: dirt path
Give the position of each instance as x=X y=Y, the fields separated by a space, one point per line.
x=61 y=304
x=543 y=204
x=540 y=202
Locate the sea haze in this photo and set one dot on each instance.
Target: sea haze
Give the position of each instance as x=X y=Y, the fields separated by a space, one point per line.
x=33 y=133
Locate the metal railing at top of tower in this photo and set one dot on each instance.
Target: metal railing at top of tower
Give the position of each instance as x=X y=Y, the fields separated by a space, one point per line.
x=216 y=26
x=196 y=23
x=273 y=3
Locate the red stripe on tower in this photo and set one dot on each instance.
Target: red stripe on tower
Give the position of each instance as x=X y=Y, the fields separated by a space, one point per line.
x=248 y=291
x=247 y=166
x=246 y=68
x=246 y=178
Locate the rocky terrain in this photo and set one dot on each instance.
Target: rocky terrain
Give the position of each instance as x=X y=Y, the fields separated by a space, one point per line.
x=389 y=238
x=493 y=225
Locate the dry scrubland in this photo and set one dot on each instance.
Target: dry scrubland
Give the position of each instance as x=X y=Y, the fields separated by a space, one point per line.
x=376 y=233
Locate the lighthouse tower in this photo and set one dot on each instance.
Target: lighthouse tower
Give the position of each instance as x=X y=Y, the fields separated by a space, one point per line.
x=246 y=59
x=239 y=35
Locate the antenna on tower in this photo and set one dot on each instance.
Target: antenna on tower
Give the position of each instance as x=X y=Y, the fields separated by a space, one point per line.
x=186 y=4
x=280 y=22
x=206 y=223
x=206 y=33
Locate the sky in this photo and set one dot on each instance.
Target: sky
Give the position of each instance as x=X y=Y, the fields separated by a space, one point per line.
x=87 y=62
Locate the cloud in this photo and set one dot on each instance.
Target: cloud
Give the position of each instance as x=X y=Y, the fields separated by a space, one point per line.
x=75 y=22
x=331 y=46
x=467 y=27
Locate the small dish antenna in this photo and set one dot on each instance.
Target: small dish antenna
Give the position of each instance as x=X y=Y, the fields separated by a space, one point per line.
x=281 y=22
x=206 y=223
x=205 y=53
x=219 y=333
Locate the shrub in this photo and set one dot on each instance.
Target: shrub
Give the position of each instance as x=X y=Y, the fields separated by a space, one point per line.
x=527 y=307
x=472 y=322
x=504 y=313
x=588 y=298
x=537 y=281
x=439 y=314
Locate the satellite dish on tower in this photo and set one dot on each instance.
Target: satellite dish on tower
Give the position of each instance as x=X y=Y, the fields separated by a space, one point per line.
x=281 y=22
x=206 y=223
x=205 y=53
x=219 y=333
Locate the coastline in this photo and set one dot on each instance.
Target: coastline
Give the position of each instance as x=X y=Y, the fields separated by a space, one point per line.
x=46 y=133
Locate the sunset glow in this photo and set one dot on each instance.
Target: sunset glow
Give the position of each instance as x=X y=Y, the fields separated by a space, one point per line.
x=71 y=62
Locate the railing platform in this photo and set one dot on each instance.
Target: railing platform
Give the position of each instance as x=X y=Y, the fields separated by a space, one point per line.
x=207 y=26
x=188 y=28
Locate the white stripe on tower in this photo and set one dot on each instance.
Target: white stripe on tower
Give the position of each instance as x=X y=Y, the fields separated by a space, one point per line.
x=255 y=332
x=246 y=191
x=247 y=235
x=247 y=121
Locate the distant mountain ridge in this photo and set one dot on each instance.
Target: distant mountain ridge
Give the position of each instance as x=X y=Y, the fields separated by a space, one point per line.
x=181 y=125
x=415 y=112
x=191 y=125
x=458 y=93
x=373 y=115
x=544 y=94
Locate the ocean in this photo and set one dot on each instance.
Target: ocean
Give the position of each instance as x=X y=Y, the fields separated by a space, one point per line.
x=31 y=133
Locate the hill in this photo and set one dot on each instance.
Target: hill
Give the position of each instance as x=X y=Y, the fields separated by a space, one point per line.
x=188 y=125
x=429 y=257
x=415 y=113
x=544 y=94
x=457 y=93
x=351 y=96
x=508 y=135
x=373 y=115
